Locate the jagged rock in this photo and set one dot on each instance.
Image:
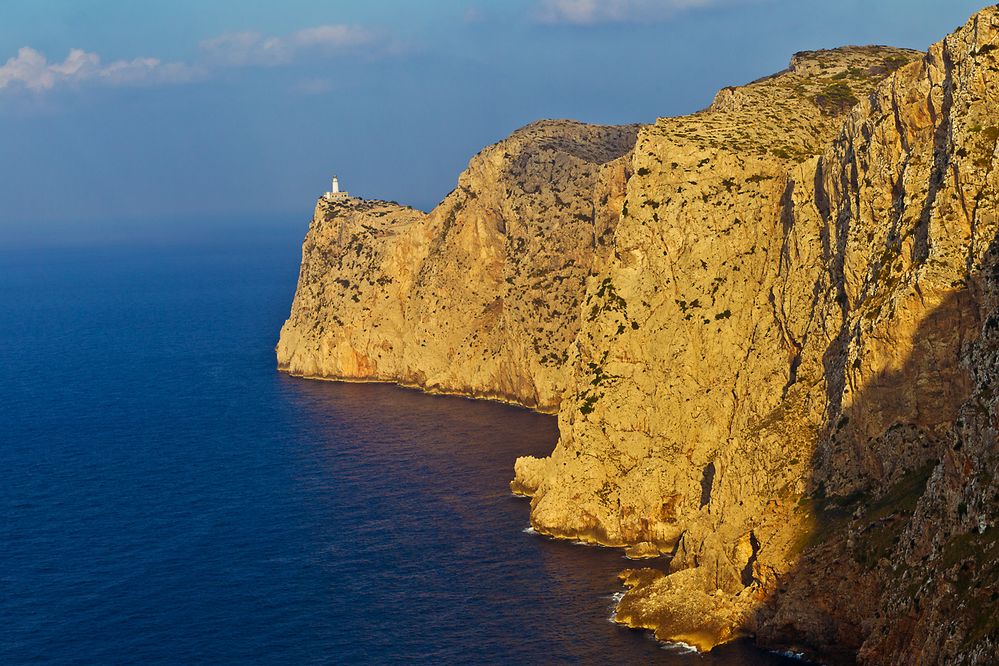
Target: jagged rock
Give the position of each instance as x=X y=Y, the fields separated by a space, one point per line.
x=479 y=297
x=643 y=550
x=528 y=472
x=680 y=608
x=770 y=330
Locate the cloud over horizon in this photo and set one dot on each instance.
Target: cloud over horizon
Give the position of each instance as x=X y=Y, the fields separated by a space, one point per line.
x=594 y=12
x=240 y=49
x=31 y=70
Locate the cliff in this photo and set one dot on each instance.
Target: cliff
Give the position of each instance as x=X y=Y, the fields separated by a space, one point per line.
x=770 y=330
x=480 y=296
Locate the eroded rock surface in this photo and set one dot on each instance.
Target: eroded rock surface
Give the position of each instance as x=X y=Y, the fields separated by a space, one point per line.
x=770 y=330
x=480 y=296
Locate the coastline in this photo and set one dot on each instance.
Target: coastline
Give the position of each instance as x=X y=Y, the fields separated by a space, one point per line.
x=468 y=395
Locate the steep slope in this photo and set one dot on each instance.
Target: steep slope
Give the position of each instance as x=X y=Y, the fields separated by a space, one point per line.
x=802 y=410
x=679 y=350
x=770 y=330
x=479 y=297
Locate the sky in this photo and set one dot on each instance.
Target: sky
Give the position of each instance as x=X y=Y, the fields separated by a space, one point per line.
x=151 y=119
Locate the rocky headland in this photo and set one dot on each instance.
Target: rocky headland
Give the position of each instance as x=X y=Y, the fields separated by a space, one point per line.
x=770 y=331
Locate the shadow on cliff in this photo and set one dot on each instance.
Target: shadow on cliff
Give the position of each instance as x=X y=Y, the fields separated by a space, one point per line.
x=873 y=511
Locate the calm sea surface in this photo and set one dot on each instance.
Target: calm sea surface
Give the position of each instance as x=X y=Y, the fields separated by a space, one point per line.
x=168 y=497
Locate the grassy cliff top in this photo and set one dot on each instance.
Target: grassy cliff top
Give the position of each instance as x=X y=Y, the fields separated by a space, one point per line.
x=788 y=113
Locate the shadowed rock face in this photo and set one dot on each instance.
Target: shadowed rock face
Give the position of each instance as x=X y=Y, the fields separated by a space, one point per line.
x=826 y=372
x=772 y=344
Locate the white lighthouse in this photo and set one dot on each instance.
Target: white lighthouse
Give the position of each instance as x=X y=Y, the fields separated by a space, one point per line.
x=335 y=194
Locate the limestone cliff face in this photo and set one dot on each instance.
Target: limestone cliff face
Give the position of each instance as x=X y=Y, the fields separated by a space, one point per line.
x=683 y=349
x=788 y=410
x=480 y=296
x=770 y=329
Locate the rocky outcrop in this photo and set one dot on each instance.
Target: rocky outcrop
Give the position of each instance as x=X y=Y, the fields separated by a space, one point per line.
x=479 y=297
x=808 y=347
x=681 y=353
x=774 y=351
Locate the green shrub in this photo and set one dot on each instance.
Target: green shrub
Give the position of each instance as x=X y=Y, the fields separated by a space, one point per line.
x=836 y=98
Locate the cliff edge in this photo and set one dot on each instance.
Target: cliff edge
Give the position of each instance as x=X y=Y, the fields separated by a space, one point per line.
x=770 y=330
x=480 y=296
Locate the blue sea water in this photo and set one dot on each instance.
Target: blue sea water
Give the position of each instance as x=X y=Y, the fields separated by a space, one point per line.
x=167 y=497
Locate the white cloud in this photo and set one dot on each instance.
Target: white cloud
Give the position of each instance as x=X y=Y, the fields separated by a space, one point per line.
x=30 y=69
x=591 y=12
x=337 y=36
x=241 y=49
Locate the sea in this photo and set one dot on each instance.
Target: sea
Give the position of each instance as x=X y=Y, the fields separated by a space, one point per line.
x=168 y=497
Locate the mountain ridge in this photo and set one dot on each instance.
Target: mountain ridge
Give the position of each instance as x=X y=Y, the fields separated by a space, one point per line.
x=768 y=329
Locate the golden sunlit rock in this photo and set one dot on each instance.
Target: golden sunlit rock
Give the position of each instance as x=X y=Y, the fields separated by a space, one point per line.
x=769 y=330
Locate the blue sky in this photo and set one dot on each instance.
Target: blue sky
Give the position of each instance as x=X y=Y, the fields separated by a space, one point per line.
x=142 y=119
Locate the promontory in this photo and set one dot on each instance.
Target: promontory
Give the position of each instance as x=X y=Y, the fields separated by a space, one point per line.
x=770 y=331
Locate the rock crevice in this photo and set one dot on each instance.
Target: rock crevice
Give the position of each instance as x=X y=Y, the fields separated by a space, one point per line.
x=769 y=330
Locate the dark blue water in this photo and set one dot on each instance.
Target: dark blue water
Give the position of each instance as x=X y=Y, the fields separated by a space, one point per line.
x=167 y=497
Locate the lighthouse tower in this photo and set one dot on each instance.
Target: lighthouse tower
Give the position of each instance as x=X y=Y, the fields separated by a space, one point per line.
x=335 y=194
